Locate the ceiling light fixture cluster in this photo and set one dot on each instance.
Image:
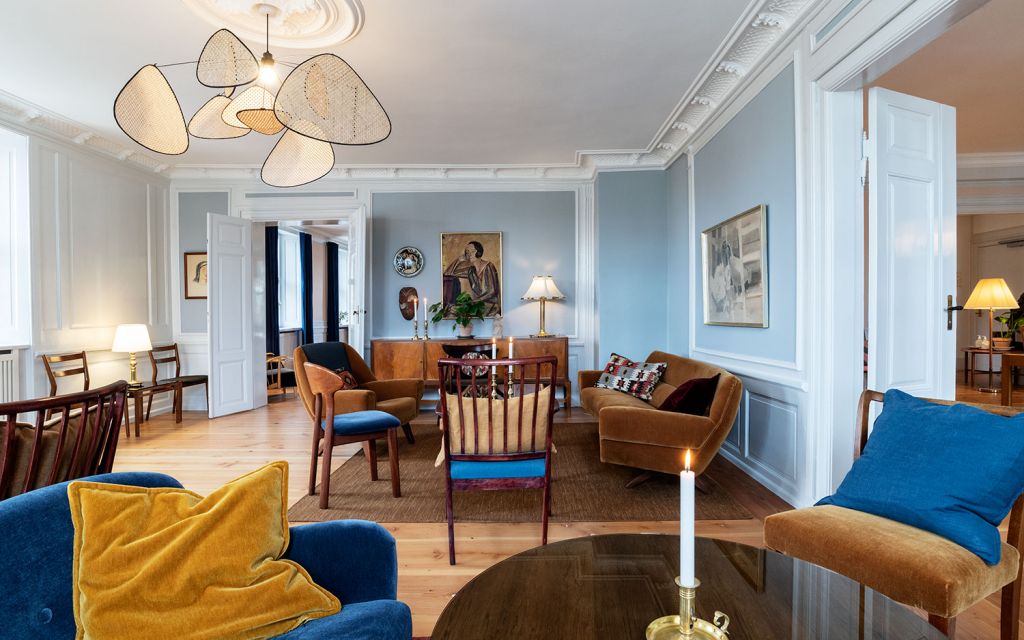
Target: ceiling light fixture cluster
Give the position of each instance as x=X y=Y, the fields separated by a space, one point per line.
x=321 y=102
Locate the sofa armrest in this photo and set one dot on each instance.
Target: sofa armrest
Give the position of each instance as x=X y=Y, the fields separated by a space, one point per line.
x=588 y=379
x=353 y=559
x=661 y=428
x=351 y=400
x=397 y=388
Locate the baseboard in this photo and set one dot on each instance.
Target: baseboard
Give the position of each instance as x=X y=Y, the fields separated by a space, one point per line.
x=762 y=478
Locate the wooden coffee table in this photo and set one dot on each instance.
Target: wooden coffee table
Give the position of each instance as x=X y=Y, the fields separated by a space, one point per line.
x=613 y=586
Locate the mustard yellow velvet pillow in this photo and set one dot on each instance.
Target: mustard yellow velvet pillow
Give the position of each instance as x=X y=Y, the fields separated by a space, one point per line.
x=168 y=563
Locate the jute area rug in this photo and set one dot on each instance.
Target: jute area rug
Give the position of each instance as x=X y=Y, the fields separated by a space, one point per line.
x=584 y=489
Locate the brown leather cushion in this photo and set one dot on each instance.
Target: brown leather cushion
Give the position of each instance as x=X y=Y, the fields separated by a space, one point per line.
x=404 y=409
x=907 y=564
x=593 y=399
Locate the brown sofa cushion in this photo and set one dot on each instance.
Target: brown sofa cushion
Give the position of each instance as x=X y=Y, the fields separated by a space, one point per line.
x=405 y=409
x=593 y=399
x=907 y=564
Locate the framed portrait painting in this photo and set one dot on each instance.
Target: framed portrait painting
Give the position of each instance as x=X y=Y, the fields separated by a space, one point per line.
x=195 y=276
x=735 y=270
x=471 y=263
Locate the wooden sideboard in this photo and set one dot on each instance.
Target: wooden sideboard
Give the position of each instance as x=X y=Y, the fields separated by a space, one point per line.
x=407 y=358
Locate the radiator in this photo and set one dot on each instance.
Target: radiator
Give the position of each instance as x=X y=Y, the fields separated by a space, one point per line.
x=8 y=375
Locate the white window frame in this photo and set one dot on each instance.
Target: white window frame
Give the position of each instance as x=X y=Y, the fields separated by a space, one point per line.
x=289 y=280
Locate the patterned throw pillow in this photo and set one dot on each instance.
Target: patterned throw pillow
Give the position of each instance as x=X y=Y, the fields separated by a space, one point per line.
x=348 y=379
x=635 y=378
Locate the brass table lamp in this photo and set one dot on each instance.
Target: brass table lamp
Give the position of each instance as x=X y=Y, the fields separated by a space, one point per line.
x=130 y=339
x=543 y=288
x=991 y=294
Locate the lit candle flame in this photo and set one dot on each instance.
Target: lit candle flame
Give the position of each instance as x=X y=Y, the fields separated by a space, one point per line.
x=687 y=460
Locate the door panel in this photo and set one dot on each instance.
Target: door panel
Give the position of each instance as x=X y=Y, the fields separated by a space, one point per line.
x=230 y=316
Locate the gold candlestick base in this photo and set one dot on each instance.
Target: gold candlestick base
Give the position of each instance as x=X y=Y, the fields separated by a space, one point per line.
x=686 y=625
x=415 y=329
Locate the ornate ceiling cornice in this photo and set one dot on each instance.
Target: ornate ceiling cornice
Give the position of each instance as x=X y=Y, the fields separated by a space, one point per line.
x=746 y=46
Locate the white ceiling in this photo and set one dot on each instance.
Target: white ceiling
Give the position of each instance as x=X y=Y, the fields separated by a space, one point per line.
x=464 y=82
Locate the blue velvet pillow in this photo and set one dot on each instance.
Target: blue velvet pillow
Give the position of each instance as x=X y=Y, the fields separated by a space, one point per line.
x=952 y=470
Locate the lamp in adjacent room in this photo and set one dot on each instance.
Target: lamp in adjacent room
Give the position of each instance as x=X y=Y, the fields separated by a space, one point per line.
x=543 y=288
x=130 y=339
x=991 y=294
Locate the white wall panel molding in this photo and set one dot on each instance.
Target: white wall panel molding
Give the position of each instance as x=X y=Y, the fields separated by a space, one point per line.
x=15 y=242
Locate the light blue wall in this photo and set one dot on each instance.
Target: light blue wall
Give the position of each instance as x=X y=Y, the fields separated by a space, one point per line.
x=192 y=210
x=678 y=231
x=631 y=263
x=538 y=237
x=752 y=161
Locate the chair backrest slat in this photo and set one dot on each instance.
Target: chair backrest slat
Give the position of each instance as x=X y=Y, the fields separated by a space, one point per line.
x=174 y=357
x=60 y=358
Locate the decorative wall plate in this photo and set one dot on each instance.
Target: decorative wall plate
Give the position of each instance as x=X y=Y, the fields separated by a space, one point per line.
x=408 y=261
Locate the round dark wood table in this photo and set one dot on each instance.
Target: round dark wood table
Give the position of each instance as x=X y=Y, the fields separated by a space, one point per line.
x=612 y=586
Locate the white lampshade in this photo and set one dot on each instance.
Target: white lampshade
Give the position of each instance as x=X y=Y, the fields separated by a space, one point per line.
x=991 y=293
x=131 y=338
x=543 y=288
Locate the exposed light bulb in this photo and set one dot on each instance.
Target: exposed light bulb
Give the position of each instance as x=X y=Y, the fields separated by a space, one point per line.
x=268 y=75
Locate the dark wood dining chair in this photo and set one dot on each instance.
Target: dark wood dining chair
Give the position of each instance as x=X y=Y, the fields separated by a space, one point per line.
x=167 y=354
x=62 y=365
x=496 y=431
x=59 y=438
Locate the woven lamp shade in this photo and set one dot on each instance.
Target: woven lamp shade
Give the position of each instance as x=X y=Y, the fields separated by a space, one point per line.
x=147 y=110
x=226 y=62
x=208 y=121
x=261 y=121
x=325 y=99
x=991 y=293
x=258 y=103
x=297 y=160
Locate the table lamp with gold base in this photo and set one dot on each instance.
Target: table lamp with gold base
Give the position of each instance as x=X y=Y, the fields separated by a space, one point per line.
x=130 y=339
x=991 y=294
x=543 y=288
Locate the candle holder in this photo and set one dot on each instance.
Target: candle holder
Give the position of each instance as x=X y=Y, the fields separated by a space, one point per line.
x=415 y=329
x=426 y=329
x=686 y=625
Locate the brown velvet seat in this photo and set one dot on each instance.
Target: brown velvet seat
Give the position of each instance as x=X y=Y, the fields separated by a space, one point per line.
x=635 y=433
x=904 y=563
x=401 y=397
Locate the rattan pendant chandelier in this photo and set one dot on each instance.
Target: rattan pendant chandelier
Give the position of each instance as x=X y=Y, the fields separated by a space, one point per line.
x=321 y=102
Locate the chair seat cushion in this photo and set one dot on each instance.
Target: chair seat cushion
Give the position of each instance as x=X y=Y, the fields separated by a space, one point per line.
x=350 y=424
x=474 y=470
x=593 y=399
x=907 y=564
x=185 y=380
x=405 y=409
x=373 y=620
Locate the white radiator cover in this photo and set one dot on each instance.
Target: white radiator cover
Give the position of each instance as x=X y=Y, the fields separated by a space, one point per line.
x=8 y=375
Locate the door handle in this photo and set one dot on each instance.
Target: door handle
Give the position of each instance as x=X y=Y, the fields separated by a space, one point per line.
x=949 y=312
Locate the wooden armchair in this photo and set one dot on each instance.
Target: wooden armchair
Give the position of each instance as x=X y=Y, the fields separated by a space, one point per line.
x=904 y=563
x=69 y=436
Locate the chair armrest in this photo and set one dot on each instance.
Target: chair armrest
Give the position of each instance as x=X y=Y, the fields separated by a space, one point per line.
x=353 y=559
x=397 y=388
x=588 y=379
x=351 y=400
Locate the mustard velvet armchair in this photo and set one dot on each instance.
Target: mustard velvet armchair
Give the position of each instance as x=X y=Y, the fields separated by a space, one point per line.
x=904 y=563
x=400 y=397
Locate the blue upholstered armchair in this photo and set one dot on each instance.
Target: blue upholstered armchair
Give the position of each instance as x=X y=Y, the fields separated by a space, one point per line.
x=355 y=560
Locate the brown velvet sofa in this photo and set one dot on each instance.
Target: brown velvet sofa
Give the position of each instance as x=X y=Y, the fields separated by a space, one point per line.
x=634 y=433
x=400 y=397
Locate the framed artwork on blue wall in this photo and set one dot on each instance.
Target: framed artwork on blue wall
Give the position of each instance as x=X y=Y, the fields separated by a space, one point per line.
x=734 y=256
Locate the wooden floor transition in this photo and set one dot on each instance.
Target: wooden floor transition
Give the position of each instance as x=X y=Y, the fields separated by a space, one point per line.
x=204 y=454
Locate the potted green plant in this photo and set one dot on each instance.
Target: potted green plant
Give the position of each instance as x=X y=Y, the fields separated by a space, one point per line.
x=1013 y=324
x=464 y=311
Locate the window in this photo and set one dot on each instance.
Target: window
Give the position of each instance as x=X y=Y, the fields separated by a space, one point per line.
x=289 y=271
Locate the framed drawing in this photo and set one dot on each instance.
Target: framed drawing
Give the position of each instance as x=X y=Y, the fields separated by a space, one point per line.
x=471 y=263
x=735 y=270
x=195 y=276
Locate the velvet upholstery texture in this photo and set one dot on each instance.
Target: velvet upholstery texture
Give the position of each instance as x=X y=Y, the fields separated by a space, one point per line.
x=38 y=534
x=693 y=396
x=954 y=470
x=211 y=566
x=347 y=424
x=635 y=433
x=904 y=563
x=482 y=470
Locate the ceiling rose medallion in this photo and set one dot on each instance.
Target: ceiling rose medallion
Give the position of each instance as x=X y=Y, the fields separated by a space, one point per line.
x=321 y=102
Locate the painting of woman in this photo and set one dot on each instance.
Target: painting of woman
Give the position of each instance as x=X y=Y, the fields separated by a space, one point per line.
x=472 y=265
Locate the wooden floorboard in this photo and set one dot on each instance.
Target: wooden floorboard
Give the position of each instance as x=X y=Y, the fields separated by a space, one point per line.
x=203 y=454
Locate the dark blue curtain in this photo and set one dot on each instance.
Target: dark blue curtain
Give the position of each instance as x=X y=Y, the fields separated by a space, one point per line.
x=333 y=328
x=306 y=266
x=272 y=291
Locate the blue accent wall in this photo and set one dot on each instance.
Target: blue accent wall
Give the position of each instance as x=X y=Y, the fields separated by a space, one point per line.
x=631 y=263
x=678 y=232
x=538 y=236
x=192 y=210
x=752 y=161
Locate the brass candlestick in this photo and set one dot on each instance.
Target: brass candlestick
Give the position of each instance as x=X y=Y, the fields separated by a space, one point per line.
x=686 y=625
x=426 y=329
x=415 y=329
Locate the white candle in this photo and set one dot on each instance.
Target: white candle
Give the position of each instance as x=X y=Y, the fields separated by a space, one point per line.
x=511 y=347
x=494 y=355
x=686 y=517
x=424 y=313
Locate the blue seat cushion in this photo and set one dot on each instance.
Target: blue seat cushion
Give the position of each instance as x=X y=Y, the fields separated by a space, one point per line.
x=952 y=470
x=474 y=470
x=372 y=620
x=350 y=424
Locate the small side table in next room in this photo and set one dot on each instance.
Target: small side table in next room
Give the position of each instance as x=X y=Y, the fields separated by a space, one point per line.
x=139 y=393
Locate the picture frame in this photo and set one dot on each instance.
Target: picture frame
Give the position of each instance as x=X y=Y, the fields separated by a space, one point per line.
x=195 y=275
x=478 y=271
x=734 y=266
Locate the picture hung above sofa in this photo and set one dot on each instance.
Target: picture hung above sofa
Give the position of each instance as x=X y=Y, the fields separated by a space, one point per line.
x=735 y=259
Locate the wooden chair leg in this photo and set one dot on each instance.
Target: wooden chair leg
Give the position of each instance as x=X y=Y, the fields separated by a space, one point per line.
x=127 y=422
x=370 y=450
x=945 y=625
x=451 y=520
x=206 y=385
x=407 y=428
x=149 y=406
x=312 y=464
x=325 y=475
x=547 y=512
x=396 y=482
x=1009 y=618
x=643 y=477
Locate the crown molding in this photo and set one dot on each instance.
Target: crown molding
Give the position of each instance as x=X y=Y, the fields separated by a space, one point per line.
x=747 y=46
